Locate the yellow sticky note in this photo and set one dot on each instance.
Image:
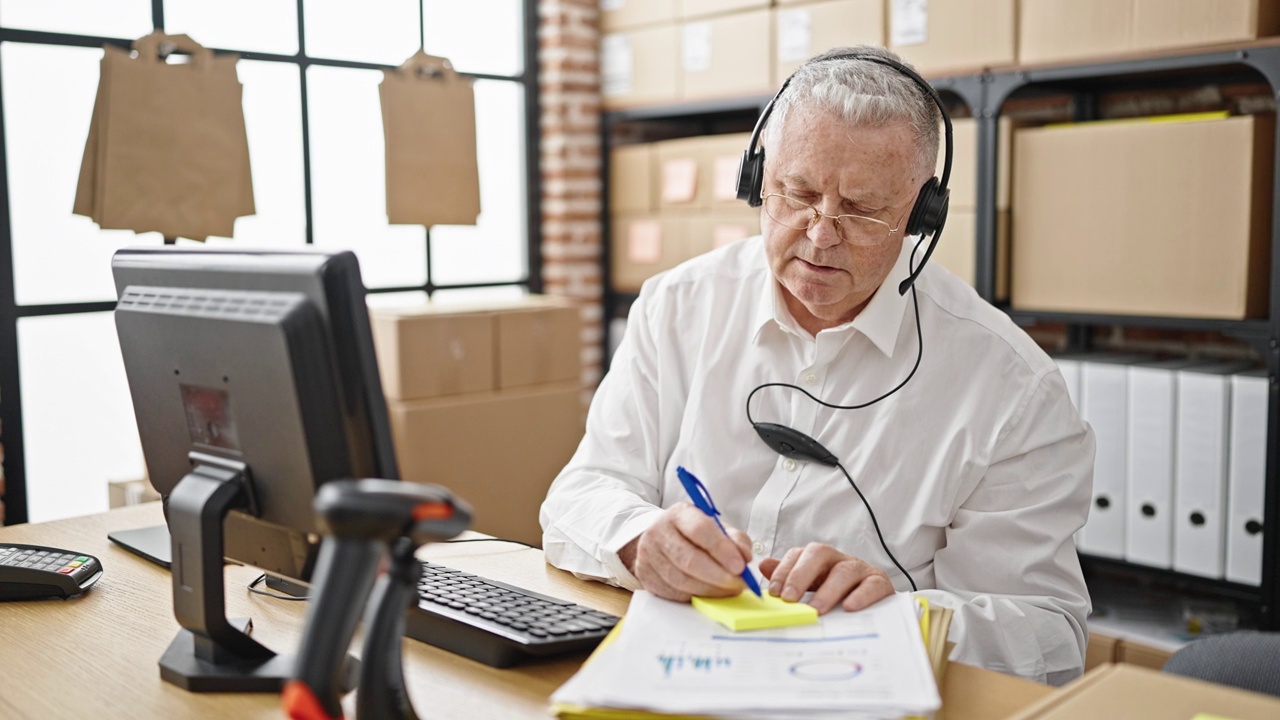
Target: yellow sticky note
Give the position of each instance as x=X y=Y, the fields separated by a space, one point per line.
x=748 y=612
x=1207 y=716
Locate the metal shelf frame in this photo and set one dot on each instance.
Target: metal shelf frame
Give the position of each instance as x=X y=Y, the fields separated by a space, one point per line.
x=1260 y=61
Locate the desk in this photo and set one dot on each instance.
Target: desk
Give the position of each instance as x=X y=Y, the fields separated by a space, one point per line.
x=95 y=655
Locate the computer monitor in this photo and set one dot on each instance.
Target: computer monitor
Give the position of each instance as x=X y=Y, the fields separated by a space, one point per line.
x=254 y=381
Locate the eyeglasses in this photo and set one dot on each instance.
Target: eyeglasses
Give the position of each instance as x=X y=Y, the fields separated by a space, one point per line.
x=853 y=229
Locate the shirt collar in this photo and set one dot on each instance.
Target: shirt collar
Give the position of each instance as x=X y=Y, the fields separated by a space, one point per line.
x=880 y=320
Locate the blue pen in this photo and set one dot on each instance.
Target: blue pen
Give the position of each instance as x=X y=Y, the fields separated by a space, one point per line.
x=702 y=500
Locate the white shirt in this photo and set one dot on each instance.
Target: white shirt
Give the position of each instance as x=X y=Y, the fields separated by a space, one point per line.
x=979 y=469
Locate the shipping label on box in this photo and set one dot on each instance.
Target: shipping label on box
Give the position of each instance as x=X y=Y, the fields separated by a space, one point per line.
x=810 y=30
x=679 y=180
x=699 y=173
x=639 y=67
x=958 y=35
x=642 y=246
x=795 y=34
x=727 y=56
x=615 y=64
x=908 y=22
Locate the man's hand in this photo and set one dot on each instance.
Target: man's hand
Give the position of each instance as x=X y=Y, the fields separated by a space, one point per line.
x=685 y=554
x=835 y=577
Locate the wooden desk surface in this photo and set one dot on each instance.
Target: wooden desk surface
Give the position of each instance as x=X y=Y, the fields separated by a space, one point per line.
x=96 y=655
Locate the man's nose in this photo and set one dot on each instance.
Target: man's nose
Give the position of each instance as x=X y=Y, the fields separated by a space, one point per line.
x=824 y=231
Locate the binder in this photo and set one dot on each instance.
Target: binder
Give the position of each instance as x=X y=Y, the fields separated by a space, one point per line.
x=1104 y=383
x=1204 y=406
x=1149 y=465
x=1246 y=476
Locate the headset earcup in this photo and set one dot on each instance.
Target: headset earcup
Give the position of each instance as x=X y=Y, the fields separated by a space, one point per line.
x=930 y=209
x=751 y=176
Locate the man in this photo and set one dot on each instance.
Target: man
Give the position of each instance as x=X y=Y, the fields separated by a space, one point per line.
x=978 y=468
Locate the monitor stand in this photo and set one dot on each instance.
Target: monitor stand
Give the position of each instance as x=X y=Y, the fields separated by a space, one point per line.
x=210 y=653
x=152 y=543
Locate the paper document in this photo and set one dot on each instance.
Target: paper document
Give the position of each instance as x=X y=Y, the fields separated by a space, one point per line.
x=670 y=658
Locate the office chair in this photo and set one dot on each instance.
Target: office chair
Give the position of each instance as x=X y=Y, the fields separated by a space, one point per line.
x=1247 y=659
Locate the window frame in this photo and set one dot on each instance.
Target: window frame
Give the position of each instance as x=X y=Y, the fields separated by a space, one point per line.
x=11 y=433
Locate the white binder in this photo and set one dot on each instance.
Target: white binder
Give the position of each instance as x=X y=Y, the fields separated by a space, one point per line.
x=1149 y=466
x=1204 y=406
x=1104 y=383
x=1246 y=476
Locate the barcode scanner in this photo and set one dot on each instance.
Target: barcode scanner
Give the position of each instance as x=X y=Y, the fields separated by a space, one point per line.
x=363 y=520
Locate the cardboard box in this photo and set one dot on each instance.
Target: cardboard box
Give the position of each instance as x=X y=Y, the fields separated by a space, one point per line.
x=640 y=67
x=642 y=246
x=629 y=14
x=1060 y=30
x=1163 y=24
x=631 y=179
x=944 y=37
x=429 y=351
x=708 y=231
x=698 y=173
x=499 y=451
x=1056 y=30
x=538 y=344
x=964 y=165
x=974 y=693
x=727 y=56
x=702 y=8
x=957 y=250
x=1137 y=693
x=1101 y=650
x=122 y=493
x=804 y=31
x=1144 y=218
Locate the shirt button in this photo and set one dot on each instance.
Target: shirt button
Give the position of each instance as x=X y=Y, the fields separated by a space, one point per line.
x=810 y=378
x=789 y=464
x=757 y=547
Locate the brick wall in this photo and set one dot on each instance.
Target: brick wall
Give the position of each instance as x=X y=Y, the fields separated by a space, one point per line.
x=569 y=79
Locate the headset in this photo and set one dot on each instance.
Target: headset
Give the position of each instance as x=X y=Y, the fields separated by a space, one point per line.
x=927 y=218
x=929 y=213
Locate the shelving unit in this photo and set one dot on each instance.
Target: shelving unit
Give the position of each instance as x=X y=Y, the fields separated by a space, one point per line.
x=985 y=95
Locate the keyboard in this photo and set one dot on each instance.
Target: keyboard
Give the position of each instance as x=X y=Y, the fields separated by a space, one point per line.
x=496 y=623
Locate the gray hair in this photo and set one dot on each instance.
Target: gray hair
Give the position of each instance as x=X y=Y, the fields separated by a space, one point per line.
x=865 y=93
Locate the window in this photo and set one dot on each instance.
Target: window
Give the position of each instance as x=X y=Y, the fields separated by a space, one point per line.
x=310 y=70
